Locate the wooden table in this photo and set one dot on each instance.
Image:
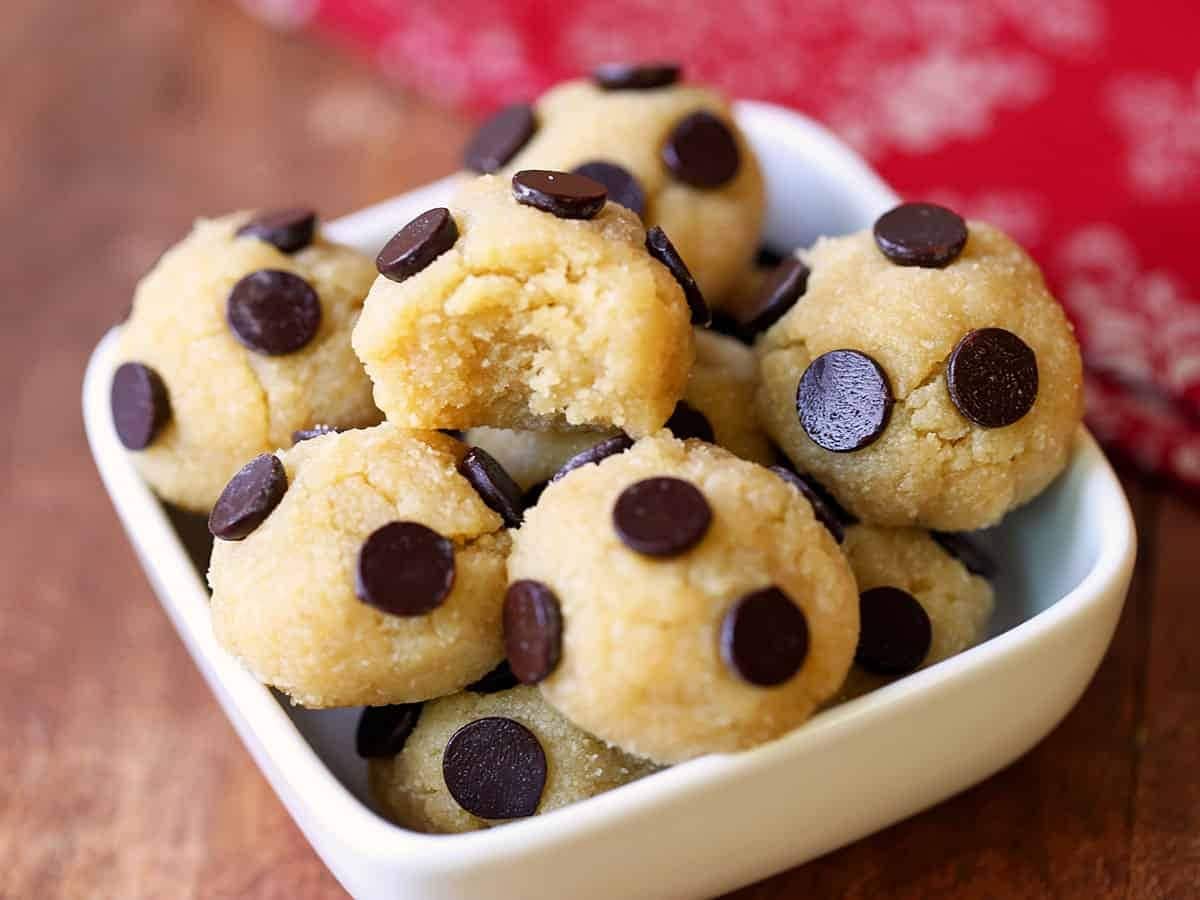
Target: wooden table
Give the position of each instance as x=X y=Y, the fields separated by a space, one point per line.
x=121 y=778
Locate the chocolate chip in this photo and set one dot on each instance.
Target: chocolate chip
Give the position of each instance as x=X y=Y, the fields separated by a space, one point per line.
x=992 y=377
x=562 y=194
x=532 y=630
x=921 y=234
x=307 y=434
x=619 y=76
x=661 y=516
x=273 y=312
x=844 y=400
x=417 y=244
x=777 y=294
x=500 y=138
x=405 y=569
x=967 y=550
x=140 y=405
x=894 y=632
x=499 y=679
x=288 y=230
x=701 y=151
x=764 y=637
x=383 y=730
x=249 y=498
x=494 y=486
x=495 y=768
x=618 y=443
x=688 y=422
x=622 y=186
x=660 y=247
x=823 y=512
x=768 y=257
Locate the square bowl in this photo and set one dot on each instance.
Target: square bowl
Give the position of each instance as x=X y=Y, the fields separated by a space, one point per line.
x=720 y=821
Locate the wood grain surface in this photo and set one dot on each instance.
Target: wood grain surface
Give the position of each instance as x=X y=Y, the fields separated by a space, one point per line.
x=120 y=777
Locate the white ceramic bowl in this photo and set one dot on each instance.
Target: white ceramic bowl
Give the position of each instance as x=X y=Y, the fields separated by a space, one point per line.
x=721 y=821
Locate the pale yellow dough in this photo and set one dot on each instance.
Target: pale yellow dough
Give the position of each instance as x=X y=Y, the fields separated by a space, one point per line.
x=722 y=386
x=530 y=321
x=532 y=457
x=228 y=403
x=413 y=793
x=958 y=603
x=931 y=467
x=284 y=598
x=641 y=666
x=716 y=231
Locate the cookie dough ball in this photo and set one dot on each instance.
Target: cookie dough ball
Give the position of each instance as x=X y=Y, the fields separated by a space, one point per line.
x=718 y=405
x=669 y=151
x=675 y=600
x=238 y=337
x=522 y=319
x=474 y=761
x=927 y=377
x=920 y=601
x=533 y=457
x=359 y=569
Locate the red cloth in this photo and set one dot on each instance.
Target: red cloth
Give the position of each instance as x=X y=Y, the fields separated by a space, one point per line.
x=1073 y=124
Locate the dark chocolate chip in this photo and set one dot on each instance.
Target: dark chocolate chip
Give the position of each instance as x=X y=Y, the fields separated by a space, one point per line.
x=992 y=377
x=307 y=434
x=249 y=498
x=531 y=497
x=844 y=400
x=688 y=422
x=417 y=244
x=273 y=312
x=494 y=485
x=661 y=516
x=618 y=443
x=621 y=184
x=495 y=768
x=701 y=151
x=660 y=247
x=566 y=195
x=499 y=679
x=777 y=294
x=500 y=138
x=823 y=512
x=921 y=234
x=532 y=630
x=764 y=637
x=140 y=404
x=968 y=551
x=768 y=257
x=894 y=632
x=383 y=730
x=618 y=76
x=405 y=569
x=724 y=323
x=288 y=230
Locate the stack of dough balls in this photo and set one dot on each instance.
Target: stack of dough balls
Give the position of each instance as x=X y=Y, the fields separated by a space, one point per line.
x=508 y=490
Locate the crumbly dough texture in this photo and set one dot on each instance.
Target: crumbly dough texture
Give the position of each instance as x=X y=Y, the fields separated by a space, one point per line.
x=931 y=466
x=532 y=457
x=412 y=792
x=716 y=231
x=531 y=322
x=958 y=603
x=284 y=598
x=722 y=386
x=640 y=665
x=228 y=403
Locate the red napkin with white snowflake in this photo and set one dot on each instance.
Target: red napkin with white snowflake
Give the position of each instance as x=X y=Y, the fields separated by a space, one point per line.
x=1072 y=124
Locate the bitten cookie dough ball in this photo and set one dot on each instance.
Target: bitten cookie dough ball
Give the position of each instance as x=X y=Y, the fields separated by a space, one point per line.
x=238 y=337
x=508 y=314
x=473 y=761
x=924 y=597
x=359 y=569
x=669 y=151
x=675 y=600
x=927 y=377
